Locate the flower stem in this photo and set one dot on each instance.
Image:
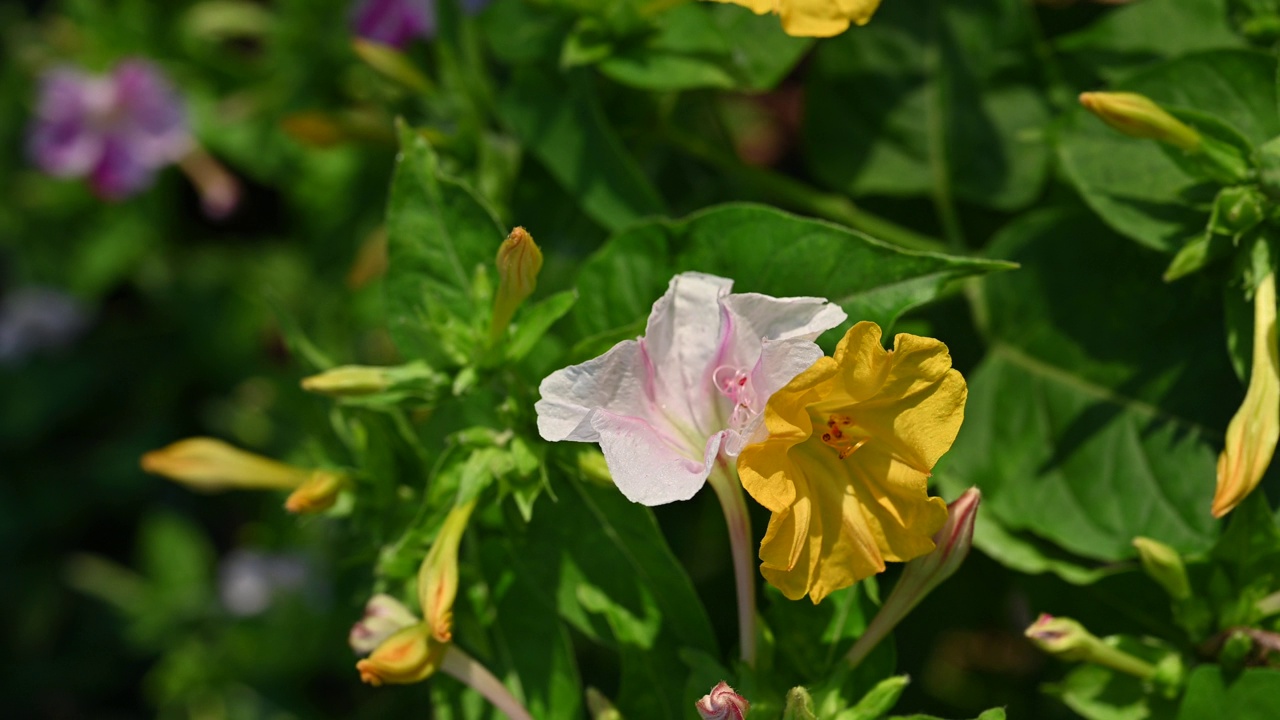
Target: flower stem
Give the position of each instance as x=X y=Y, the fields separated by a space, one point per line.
x=471 y=673
x=724 y=481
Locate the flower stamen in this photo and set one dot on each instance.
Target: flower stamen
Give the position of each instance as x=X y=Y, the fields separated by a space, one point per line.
x=837 y=438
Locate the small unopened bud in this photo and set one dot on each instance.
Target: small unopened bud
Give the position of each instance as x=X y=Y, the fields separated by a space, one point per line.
x=519 y=262
x=318 y=493
x=410 y=655
x=799 y=705
x=348 y=380
x=722 y=703
x=921 y=575
x=219 y=190
x=391 y=64
x=1138 y=116
x=1253 y=432
x=209 y=464
x=1163 y=564
x=438 y=575
x=384 y=616
x=1069 y=640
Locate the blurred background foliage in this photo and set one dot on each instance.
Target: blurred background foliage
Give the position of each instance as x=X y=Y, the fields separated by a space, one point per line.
x=1099 y=393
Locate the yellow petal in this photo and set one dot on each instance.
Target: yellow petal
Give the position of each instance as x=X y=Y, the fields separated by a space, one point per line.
x=844 y=505
x=759 y=7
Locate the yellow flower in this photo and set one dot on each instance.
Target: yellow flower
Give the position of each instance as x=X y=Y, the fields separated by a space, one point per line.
x=844 y=470
x=814 y=18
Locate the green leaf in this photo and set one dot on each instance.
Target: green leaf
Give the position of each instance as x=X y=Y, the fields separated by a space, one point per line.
x=707 y=46
x=535 y=321
x=762 y=250
x=1099 y=693
x=531 y=643
x=559 y=120
x=1213 y=695
x=878 y=700
x=992 y=714
x=438 y=234
x=1136 y=186
x=932 y=97
x=1143 y=33
x=1088 y=422
x=603 y=563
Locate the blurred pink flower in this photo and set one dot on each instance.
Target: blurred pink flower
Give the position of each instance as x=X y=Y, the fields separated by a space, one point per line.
x=117 y=129
x=399 y=22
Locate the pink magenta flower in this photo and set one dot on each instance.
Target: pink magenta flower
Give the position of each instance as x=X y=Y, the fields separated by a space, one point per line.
x=399 y=22
x=117 y=129
x=663 y=407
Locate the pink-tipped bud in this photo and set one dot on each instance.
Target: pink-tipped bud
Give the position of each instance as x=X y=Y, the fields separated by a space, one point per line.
x=384 y=616
x=722 y=703
x=923 y=574
x=1137 y=116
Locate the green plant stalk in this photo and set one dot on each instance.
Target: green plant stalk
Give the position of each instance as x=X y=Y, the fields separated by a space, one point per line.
x=724 y=480
x=471 y=673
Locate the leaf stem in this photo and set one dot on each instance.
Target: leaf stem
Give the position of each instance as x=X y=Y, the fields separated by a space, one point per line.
x=467 y=670
x=724 y=480
x=803 y=198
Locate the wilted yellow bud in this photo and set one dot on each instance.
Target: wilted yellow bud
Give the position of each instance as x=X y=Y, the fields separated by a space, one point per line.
x=519 y=262
x=409 y=656
x=1138 y=116
x=348 y=380
x=1252 y=434
x=318 y=493
x=1163 y=564
x=209 y=464
x=438 y=575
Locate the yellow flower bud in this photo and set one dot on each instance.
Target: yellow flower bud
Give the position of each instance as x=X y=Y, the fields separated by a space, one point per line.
x=409 y=656
x=348 y=380
x=1253 y=432
x=208 y=464
x=318 y=493
x=1138 y=116
x=519 y=262
x=1163 y=564
x=438 y=575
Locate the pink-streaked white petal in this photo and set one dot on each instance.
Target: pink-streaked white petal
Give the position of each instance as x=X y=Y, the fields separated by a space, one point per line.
x=692 y=389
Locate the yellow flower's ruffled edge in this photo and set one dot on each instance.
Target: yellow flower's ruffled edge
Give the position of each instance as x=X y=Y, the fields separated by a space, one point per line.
x=814 y=18
x=860 y=371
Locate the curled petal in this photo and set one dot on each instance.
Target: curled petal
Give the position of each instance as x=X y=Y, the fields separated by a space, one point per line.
x=384 y=616
x=722 y=703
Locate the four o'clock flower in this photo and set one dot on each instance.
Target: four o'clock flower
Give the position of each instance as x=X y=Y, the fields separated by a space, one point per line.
x=665 y=406
x=117 y=129
x=669 y=407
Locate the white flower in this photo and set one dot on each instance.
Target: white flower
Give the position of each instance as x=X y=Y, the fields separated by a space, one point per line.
x=665 y=406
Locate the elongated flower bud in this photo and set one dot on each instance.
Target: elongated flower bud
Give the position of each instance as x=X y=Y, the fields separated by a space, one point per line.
x=318 y=493
x=1138 y=116
x=348 y=380
x=208 y=464
x=519 y=262
x=408 y=656
x=921 y=575
x=1163 y=564
x=1069 y=640
x=722 y=703
x=1253 y=432
x=438 y=575
x=384 y=616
